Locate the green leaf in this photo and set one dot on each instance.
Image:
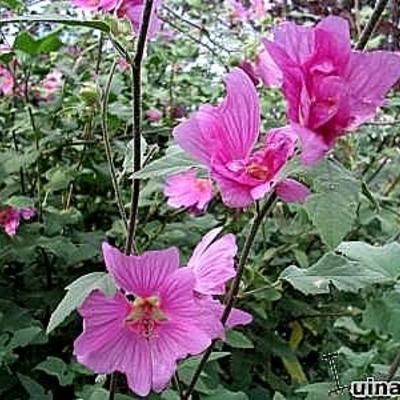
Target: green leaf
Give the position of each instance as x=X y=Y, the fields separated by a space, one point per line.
x=20 y=202
x=94 y=24
x=59 y=178
x=279 y=396
x=224 y=394
x=25 y=42
x=76 y=295
x=34 y=389
x=386 y=257
x=25 y=336
x=13 y=4
x=332 y=207
x=173 y=162
x=238 y=340
x=332 y=269
x=56 y=367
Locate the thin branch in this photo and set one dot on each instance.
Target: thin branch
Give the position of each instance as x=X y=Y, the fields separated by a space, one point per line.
x=196 y=40
x=136 y=68
x=231 y=297
x=107 y=145
x=202 y=29
x=372 y=24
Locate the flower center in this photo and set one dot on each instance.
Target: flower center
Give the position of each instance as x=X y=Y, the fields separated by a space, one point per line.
x=257 y=171
x=145 y=315
x=202 y=185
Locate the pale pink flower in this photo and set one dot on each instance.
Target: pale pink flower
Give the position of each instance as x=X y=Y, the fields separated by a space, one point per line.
x=223 y=138
x=145 y=336
x=154 y=115
x=329 y=88
x=133 y=10
x=6 y=81
x=186 y=190
x=51 y=84
x=238 y=10
x=10 y=218
x=123 y=64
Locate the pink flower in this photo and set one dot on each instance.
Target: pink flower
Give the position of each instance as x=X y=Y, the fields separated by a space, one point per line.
x=223 y=138
x=94 y=5
x=6 y=81
x=186 y=190
x=154 y=115
x=133 y=10
x=145 y=336
x=51 y=84
x=213 y=265
x=10 y=218
x=329 y=88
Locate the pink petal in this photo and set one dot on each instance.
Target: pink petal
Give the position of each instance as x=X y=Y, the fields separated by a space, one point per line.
x=198 y=135
x=297 y=41
x=292 y=191
x=332 y=42
x=233 y=193
x=142 y=275
x=213 y=262
x=107 y=345
x=27 y=213
x=370 y=76
x=313 y=145
x=240 y=113
x=267 y=70
x=238 y=317
x=186 y=190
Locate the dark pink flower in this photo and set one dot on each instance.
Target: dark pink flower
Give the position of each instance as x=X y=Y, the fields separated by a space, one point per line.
x=10 y=218
x=186 y=190
x=6 y=81
x=154 y=115
x=223 y=138
x=329 y=88
x=133 y=10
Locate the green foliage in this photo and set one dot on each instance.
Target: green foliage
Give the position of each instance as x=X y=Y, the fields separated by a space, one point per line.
x=322 y=276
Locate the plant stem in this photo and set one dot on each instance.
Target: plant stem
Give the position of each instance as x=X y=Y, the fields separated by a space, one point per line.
x=136 y=68
x=231 y=297
x=107 y=145
x=372 y=24
x=393 y=368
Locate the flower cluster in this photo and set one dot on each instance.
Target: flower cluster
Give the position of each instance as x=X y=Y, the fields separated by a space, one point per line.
x=161 y=313
x=329 y=90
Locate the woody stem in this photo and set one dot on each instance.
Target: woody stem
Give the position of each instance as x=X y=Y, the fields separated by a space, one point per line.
x=231 y=297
